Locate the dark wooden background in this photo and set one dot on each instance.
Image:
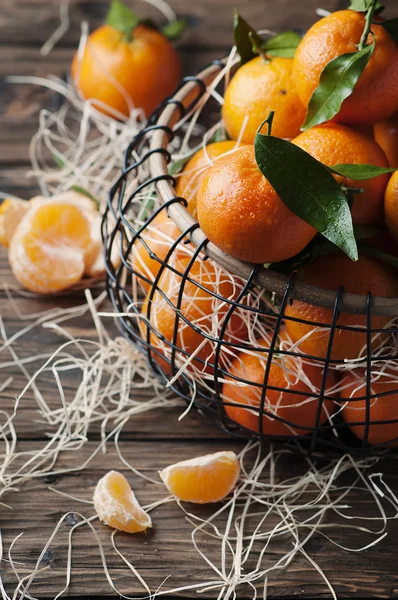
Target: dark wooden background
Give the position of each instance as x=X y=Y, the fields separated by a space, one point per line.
x=150 y=443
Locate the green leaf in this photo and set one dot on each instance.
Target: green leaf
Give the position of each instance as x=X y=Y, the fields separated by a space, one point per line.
x=364 y=5
x=359 y=172
x=391 y=26
x=122 y=18
x=242 y=38
x=58 y=161
x=283 y=44
x=307 y=187
x=174 y=29
x=336 y=83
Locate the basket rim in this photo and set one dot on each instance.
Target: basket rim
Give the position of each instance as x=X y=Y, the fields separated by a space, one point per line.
x=267 y=279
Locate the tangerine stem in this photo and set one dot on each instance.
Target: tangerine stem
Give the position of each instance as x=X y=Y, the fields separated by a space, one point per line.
x=368 y=25
x=257 y=49
x=269 y=121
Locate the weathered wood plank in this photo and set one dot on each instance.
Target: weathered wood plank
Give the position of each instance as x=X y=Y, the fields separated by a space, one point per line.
x=211 y=22
x=167 y=549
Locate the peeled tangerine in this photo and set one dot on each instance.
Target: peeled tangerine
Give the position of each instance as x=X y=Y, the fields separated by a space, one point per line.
x=116 y=505
x=203 y=479
x=56 y=242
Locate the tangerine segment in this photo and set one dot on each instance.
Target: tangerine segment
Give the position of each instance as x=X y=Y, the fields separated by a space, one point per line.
x=383 y=407
x=116 y=505
x=332 y=272
x=240 y=212
x=12 y=211
x=386 y=135
x=295 y=402
x=375 y=94
x=203 y=479
x=257 y=88
x=334 y=144
x=188 y=182
x=47 y=250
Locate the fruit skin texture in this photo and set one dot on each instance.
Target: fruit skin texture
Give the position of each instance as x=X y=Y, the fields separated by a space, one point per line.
x=382 y=408
x=257 y=88
x=148 y=69
x=331 y=272
x=374 y=97
x=391 y=206
x=282 y=404
x=116 y=505
x=334 y=144
x=203 y=479
x=241 y=213
x=386 y=135
x=197 y=307
x=196 y=168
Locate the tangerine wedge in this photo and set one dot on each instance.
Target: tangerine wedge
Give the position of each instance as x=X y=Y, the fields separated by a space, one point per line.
x=203 y=479
x=11 y=212
x=116 y=505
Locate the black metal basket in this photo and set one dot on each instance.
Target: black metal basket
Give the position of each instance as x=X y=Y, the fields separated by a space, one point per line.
x=260 y=296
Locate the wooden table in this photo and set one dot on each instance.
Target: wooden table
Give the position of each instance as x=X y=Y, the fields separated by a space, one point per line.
x=149 y=442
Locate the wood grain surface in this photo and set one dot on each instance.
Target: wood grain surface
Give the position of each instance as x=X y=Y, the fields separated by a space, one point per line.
x=148 y=442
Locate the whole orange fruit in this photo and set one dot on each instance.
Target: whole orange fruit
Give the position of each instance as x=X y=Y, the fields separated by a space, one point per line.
x=201 y=312
x=391 y=206
x=334 y=144
x=114 y=70
x=241 y=213
x=331 y=272
x=158 y=236
x=383 y=406
x=374 y=97
x=188 y=182
x=257 y=88
x=295 y=402
x=386 y=135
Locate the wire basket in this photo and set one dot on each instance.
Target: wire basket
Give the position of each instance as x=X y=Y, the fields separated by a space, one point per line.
x=249 y=387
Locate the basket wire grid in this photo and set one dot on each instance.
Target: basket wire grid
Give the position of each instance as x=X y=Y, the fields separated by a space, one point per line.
x=145 y=171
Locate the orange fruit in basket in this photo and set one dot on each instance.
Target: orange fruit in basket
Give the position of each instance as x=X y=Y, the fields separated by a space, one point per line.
x=383 y=407
x=116 y=505
x=331 y=272
x=203 y=479
x=204 y=312
x=391 y=206
x=334 y=144
x=188 y=182
x=374 y=97
x=241 y=213
x=296 y=401
x=386 y=135
x=11 y=212
x=120 y=73
x=161 y=232
x=257 y=88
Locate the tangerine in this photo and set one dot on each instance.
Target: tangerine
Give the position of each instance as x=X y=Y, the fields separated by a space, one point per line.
x=203 y=479
x=383 y=406
x=295 y=401
x=391 y=206
x=331 y=272
x=241 y=213
x=117 y=72
x=258 y=87
x=116 y=505
x=386 y=135
x=11 y=212
x=200 y=313
x=374 y=97
x=334 y=144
